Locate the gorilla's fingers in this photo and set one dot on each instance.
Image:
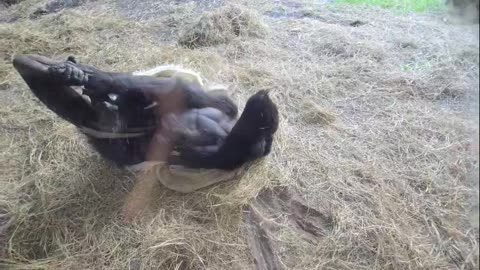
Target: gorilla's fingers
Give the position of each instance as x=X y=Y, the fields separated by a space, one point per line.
x=72 y=59
x=77 y=76
x=68 y=73
x=211 y=127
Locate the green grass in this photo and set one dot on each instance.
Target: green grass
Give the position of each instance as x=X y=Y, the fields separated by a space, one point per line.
x=403 y=5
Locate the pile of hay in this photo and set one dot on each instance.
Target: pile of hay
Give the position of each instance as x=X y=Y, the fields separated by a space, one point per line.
x=221 y=26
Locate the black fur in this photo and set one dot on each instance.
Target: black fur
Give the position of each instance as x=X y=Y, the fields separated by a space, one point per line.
x=137 y=110
x=250 y=138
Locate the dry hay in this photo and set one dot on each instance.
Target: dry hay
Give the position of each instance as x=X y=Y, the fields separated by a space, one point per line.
x=314 y=114
x=386 y=156
x=222 y=26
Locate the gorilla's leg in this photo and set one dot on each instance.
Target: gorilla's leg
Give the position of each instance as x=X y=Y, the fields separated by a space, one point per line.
x=55 y=94
x=50 y=82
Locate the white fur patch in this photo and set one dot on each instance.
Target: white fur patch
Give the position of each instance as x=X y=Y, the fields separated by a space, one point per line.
x=109 y=135
x=176 y=70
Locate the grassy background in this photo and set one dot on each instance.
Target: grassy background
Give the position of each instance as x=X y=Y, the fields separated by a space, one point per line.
x=403 y=5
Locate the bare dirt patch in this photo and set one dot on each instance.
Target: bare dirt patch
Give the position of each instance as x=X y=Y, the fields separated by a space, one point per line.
x=279 y=209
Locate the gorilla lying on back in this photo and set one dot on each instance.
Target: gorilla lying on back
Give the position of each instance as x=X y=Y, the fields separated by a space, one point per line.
x=123 y=115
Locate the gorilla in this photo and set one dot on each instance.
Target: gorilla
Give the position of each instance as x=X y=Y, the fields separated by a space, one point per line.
x=128 y=118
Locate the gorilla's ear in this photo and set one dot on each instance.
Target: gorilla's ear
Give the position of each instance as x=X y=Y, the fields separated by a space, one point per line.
x=72 y=59
x=263 y=92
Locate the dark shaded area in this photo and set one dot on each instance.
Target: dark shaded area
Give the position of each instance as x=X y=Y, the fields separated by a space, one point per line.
x=357 y=23
x=279 y=13
x=150 y=9
x=56 y=6
x=467 y=10
x=262 y=247
x=5 y=223
x=8 y=3
x=273 y=210
x=464 y=4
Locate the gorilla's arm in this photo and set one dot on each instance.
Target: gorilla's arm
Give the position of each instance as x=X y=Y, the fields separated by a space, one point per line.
x=250 y=138
x=99 y=85
x=51 y=81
